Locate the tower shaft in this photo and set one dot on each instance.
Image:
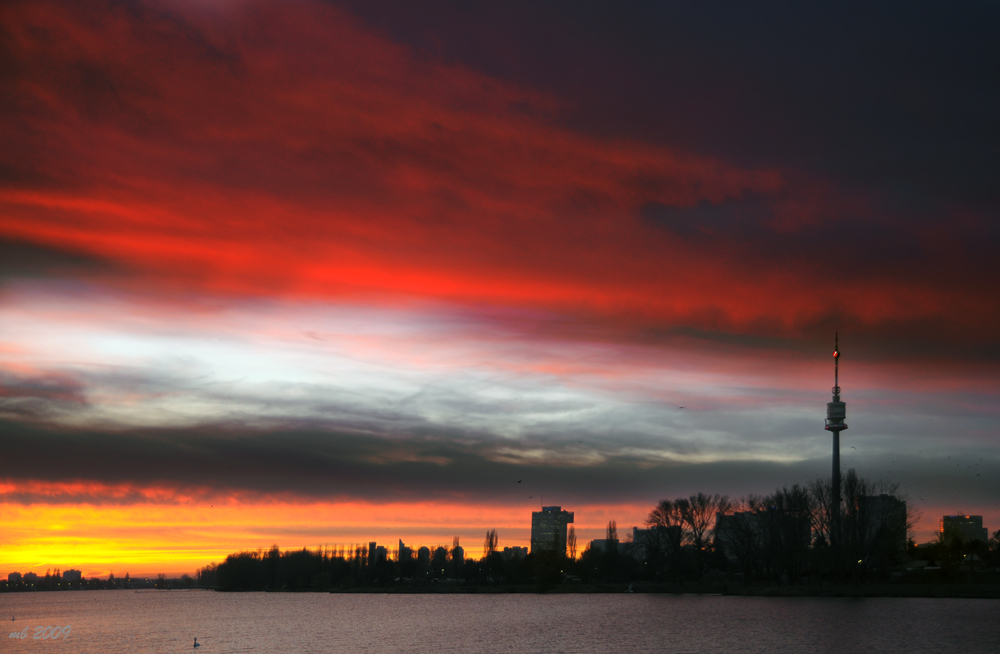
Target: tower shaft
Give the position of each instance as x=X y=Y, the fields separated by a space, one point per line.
x=835 y=485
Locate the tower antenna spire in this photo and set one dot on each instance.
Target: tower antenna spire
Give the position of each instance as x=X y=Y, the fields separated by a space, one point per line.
x=836 y=367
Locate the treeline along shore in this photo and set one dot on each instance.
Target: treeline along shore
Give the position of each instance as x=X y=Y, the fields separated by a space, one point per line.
x=795 y=541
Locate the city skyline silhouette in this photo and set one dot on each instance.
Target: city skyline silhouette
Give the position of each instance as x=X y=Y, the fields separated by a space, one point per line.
x=316 y=273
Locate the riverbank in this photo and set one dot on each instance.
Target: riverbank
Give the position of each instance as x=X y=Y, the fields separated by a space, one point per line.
x=954 y=591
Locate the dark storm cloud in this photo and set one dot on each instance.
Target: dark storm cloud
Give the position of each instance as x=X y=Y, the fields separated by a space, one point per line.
x=864 y=244
x=886 y=94
x=39 y=396
x=22 y=259
x=343 y=465
x=883 y=117
x=730 y=218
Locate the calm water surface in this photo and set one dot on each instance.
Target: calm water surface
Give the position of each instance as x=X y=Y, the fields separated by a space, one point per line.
x=168 y=621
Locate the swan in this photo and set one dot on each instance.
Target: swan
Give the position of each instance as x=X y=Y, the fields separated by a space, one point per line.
x=196 y=643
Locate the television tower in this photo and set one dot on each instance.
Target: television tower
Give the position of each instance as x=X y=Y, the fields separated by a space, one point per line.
x=836 y=413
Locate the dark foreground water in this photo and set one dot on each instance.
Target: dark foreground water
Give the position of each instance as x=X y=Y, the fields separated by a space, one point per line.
x=168 y=621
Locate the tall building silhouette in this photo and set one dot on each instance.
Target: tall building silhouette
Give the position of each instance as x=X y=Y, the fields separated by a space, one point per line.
x=514 y=552
x=966 y=527
x=548 y=529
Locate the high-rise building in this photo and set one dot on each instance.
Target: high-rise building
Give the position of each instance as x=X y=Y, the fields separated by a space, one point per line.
x=643 y=541
x=14 y=578
x=966 y=527
x=886 y=519
x=548 y=529
x=743 y=532
x=603 y=545
x=72 y=575
x=514 y=552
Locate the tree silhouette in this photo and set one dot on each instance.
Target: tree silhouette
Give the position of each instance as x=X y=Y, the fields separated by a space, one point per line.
x=876 y=523
x=698 y=513
x=666 y=538
x=491 y=542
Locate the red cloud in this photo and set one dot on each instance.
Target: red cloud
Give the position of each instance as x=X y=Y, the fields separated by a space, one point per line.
x=289 y=150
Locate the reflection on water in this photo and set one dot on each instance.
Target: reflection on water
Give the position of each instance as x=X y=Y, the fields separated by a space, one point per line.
x=169 y=621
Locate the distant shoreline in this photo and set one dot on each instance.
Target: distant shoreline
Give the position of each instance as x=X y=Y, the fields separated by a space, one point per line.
x=897 y=590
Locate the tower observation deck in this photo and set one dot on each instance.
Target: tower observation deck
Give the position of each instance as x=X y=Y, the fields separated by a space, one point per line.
x=836 y=411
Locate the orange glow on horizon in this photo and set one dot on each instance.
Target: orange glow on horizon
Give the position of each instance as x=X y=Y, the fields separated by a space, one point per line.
x=146 y=539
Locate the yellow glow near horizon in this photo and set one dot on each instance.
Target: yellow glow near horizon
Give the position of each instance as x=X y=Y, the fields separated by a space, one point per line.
x=179 y=537
x=173 y=539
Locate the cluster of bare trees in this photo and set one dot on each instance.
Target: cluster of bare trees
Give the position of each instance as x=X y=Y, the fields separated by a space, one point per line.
x=336 y=567
x=784 y=536
x=769 y=536
x=875 y=526
x=679 y=523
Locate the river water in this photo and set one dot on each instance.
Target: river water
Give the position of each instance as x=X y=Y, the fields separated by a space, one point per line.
x=168 y=621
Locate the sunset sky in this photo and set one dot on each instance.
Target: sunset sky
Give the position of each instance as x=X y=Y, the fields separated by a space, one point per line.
x=316 y=273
